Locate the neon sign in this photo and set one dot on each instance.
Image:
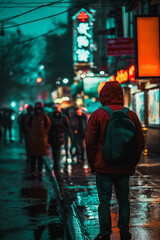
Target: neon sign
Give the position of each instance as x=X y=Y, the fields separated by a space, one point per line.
x=125 y=75
x=132 y=73
x=122 y=76
x=83 y=15
x=83 y=37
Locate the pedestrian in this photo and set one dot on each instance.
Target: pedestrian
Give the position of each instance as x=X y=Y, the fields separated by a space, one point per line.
x=37 y=126
x=6 y=121
x=79 y=127
x=107 y=174
x=66 y=134
x=71 y=115
x=22 y=128
x=21 y=122
x=59 y=125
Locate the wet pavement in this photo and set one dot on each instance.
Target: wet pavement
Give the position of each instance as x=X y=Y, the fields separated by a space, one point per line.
x=80 y=187
x=64 y=204
x=29 y=208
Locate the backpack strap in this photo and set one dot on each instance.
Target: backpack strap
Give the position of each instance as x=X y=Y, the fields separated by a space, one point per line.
x=107 y=109
x=125 y=110
x=110 y=111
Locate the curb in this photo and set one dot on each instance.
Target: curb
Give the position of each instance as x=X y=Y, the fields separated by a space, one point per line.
x=72 y=221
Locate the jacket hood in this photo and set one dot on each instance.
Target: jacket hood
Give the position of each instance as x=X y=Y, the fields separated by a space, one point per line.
x=111 y=94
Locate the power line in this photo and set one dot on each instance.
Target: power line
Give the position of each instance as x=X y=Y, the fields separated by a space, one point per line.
x=21 y=3
x=54 y=15
x=51 y=31
x=42 y=35
x=32 y=6
x=19 y=15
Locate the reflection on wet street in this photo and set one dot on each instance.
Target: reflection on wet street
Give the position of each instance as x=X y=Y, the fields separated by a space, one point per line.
x=30 y=207
x=144 y=198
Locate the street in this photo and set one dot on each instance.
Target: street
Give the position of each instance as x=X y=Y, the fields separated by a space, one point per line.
x=63 y=204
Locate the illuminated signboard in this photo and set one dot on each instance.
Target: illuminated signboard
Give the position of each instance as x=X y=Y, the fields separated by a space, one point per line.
x=125 y=75
x=147 y=47
x=82 y=37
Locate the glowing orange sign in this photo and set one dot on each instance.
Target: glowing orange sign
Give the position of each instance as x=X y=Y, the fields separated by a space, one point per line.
x=122 y=76
x=148 y=54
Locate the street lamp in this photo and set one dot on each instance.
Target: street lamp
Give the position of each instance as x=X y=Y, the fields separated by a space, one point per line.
x=65 y=80
x=41 y=67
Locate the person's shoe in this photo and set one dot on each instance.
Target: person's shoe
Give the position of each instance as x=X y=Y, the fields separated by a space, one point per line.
x=126 y=236
x=102 y=237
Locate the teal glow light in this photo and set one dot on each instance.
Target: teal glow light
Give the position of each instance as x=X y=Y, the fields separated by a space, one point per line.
x=65 y=80
x=12 y=117
x=13 y=104
x=41 y=67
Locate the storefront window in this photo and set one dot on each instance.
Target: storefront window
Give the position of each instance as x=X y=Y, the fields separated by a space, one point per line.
x=153 y=106
x=139 y=105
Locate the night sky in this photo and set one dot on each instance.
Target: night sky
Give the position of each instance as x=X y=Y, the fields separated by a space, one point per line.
x=10 y=8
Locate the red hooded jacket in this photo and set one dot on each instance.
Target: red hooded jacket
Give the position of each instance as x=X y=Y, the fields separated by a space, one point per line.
x=111 y=95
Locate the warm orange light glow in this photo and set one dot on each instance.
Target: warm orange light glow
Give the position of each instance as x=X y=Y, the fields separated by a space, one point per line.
x=122 y=76
x=100 y=86
x=39 y=80
x=148 y=46
x=132 y=73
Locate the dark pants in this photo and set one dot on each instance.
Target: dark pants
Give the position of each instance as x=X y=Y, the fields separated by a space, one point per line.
x=80 y=147
x=104 y=186
x=56 y=154
x=34 y=160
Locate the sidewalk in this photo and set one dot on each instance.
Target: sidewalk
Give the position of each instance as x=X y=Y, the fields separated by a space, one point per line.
x=78 y=194
x=29 y=208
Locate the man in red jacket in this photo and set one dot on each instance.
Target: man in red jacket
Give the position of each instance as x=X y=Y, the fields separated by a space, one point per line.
x=107 y=174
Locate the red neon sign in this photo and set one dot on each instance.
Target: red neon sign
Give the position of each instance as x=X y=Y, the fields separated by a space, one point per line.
x=132 y=73
x=83 y=16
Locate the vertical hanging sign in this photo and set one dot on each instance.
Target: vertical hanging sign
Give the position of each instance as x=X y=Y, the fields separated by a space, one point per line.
x=82 y=38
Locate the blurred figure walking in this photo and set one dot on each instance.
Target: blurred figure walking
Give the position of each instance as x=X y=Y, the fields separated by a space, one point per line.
x=22 y=128
x=79 y=127
x=59 y=124
x=6 y=122
x=71 y=115
x=37 y=126
x=21 y=121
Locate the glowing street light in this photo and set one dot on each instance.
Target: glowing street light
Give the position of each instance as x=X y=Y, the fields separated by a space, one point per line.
x=39 y=80
x=65 y=80
x=41 y=67
x=13 y=104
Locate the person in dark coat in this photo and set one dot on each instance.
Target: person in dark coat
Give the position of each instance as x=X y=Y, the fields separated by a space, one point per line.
x=23 y=131
x=6 y=122
x=71 y=115
x=79 y=126
x=59 y=124
x=21 y=121
x=37 y=126
x=106 y=174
